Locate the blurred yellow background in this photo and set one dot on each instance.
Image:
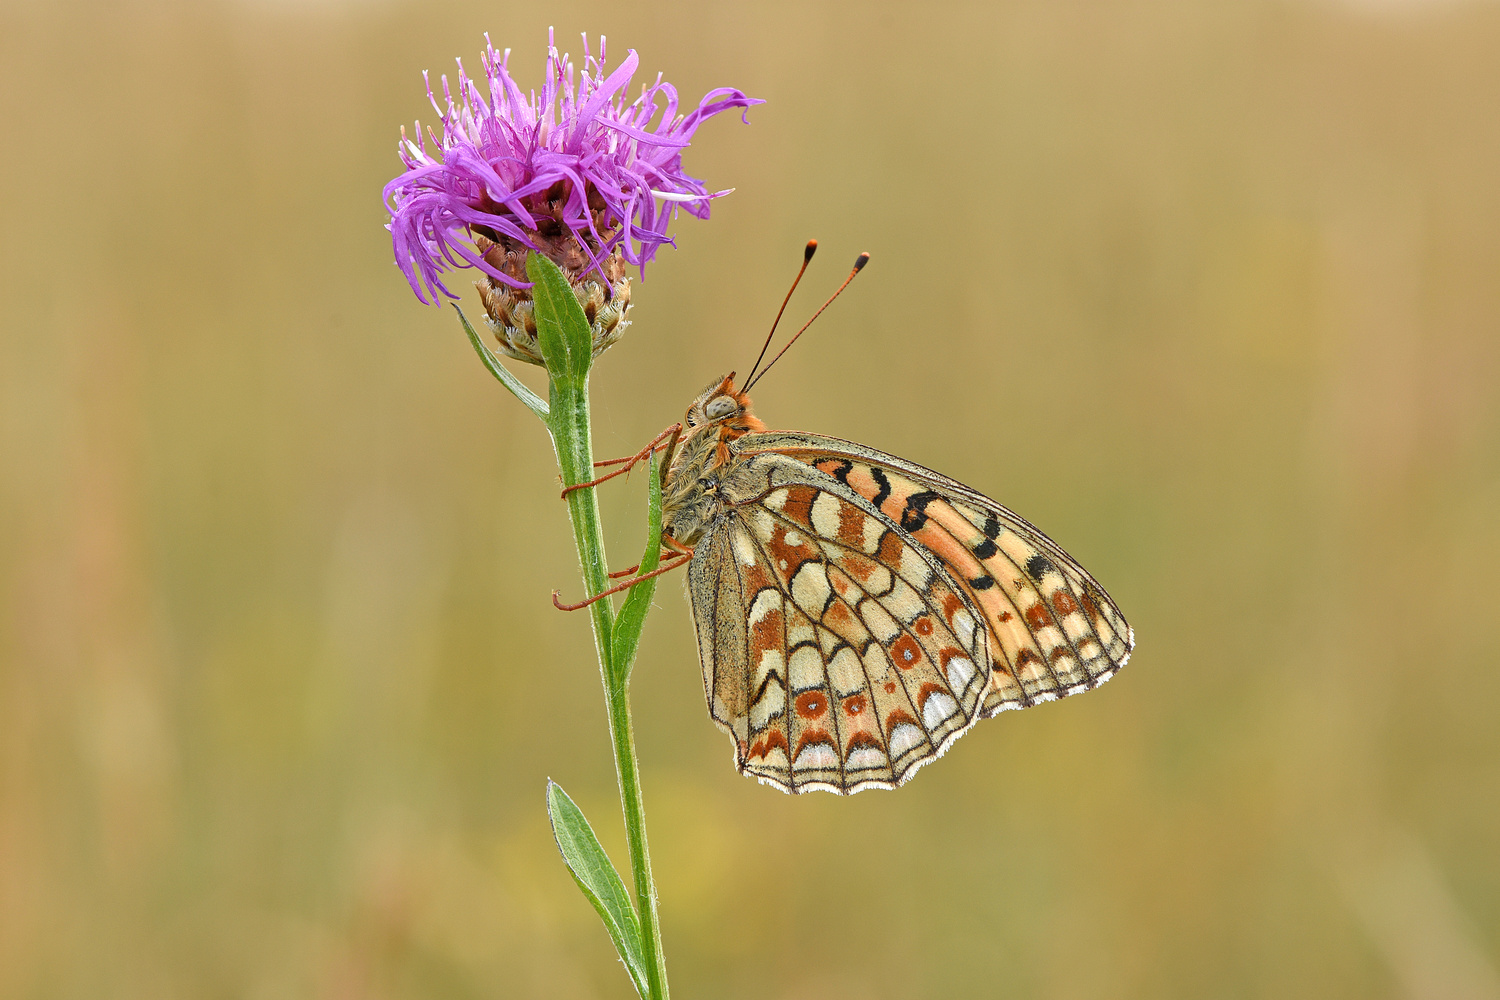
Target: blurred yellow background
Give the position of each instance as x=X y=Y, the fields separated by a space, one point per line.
x=1210 y=291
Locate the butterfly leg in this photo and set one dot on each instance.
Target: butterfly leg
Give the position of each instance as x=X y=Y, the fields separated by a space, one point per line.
x=674 y=562
x=629 y=462
x=676 y=546
x=666 y=540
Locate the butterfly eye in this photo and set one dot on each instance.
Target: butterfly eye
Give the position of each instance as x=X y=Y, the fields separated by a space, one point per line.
x=720 y=406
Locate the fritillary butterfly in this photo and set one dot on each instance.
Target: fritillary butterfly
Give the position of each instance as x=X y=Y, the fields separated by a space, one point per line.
x=855 y=612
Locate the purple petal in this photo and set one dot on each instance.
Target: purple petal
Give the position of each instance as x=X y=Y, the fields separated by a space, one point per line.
x=493 y=162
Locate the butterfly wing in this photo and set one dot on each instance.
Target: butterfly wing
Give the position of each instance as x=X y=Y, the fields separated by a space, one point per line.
x=1053 y=631
x=837 y=653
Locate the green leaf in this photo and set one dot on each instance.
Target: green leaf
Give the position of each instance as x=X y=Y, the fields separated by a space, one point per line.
x=633 y=612
x=531 y=400
x=598 y=880
x=562 y=330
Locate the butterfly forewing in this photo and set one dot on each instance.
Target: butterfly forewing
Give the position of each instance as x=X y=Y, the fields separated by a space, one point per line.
x=1052 y=630
x=836 y=651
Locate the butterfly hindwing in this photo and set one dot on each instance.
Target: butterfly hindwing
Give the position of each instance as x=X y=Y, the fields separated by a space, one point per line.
x=1052 y=629
x=836 y=651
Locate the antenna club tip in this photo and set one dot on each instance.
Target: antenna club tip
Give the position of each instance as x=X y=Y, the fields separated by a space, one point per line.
x=812 y=248
x=861 y=261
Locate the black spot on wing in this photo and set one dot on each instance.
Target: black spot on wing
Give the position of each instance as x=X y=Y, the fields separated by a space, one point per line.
x=914 y=514
x=991 y=527
x=982 y=582
x=986 y=548
x=885 y=487
x=1039 y=566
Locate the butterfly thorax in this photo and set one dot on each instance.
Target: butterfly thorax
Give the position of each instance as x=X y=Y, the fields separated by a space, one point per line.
x=701 y=459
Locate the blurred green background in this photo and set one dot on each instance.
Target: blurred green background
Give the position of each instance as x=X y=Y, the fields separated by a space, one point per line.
x=1210 y=291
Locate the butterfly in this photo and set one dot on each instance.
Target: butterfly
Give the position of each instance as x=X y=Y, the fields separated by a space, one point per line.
x=856 y=613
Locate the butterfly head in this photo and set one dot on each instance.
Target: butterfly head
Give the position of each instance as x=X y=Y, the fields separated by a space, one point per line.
x=724 y=409
x=720 y=415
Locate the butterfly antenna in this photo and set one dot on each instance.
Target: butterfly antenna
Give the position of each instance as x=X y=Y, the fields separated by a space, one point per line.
x=859 y=262
x=812 y=248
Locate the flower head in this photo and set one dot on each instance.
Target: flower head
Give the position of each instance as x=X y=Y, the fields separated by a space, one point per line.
x=574 y=172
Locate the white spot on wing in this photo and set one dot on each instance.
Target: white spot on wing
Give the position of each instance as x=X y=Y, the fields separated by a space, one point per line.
x=960 y=672
x=963 y=626
x=762 y=521
x=939 y=709
x=914 y=567
x=865 y=758
x=904 y=737
x=774 y=759
x=879 y=579
x=845 y=672
x=765 y=602
x=816 y=756
x=806 y=669
x=876 y=665
x=825 y=515
x=771 y=704
x=744 y=549
x=810 y=588
x=770 y=660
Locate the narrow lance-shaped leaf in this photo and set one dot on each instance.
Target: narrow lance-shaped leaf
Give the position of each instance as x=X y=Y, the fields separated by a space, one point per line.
x=598 y=880
x=532 y=401
x=562 y=330
x=638 y=601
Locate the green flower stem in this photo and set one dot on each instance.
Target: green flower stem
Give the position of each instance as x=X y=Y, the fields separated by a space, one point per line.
x=558 y=321
x=569 y=421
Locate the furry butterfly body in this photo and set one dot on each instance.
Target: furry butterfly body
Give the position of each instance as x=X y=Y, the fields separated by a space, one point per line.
x=856 y=613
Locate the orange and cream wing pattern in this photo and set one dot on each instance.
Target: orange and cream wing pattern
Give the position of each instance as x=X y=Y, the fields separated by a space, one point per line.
x=837 y=651
x=1052 y=630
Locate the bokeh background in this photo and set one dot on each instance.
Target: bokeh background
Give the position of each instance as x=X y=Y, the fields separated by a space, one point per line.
x=1211 y=291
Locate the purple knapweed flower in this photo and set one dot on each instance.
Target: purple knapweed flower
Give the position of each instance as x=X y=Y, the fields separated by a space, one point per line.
x=574 y=173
